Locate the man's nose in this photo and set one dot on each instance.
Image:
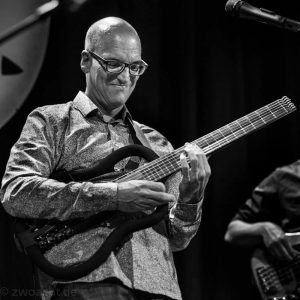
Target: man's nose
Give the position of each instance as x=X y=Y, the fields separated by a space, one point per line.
x=125 y=74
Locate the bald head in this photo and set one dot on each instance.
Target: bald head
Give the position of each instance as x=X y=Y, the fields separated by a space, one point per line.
x=107 y=31
x=111 y=43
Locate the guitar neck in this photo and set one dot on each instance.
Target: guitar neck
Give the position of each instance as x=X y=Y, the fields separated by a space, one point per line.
x=170 y=163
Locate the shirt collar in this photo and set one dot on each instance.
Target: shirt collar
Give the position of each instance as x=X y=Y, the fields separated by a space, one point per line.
x=86 y=106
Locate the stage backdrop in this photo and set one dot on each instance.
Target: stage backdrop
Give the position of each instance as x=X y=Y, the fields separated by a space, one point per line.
x=205 y=70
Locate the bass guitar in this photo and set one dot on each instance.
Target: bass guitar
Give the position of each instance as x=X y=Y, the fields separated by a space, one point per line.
x=277 y=280
x=36 y=238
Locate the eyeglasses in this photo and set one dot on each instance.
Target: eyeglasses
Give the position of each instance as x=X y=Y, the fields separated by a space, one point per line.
x=114 y=66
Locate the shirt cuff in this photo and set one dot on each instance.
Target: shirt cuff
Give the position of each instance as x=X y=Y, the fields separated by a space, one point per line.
x=104 y=195
x=188 y=212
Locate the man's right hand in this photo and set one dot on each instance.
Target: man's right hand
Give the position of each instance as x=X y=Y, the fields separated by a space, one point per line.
x=141 y=195
x=276 y=242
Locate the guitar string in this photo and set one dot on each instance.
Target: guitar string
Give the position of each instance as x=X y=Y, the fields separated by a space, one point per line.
x=281 y=271
x=263 y=119
x=259 y=117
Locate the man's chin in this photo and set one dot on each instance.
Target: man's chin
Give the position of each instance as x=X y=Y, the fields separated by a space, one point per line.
x=118 y=100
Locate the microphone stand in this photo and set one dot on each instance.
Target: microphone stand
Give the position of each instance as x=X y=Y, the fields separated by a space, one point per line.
x=40 y=13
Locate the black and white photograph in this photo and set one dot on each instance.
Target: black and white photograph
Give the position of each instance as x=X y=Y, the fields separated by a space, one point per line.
x=150 y=150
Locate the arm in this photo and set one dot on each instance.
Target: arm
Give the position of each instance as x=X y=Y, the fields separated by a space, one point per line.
x=185 y=189
x=186 y=215
x=245 y=234
x=256 y=223
x=28 y=192
x=261 y=233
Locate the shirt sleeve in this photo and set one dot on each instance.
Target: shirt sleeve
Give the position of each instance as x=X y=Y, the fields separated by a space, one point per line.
x=264 y=202
x=184 y=219
x=27 y=191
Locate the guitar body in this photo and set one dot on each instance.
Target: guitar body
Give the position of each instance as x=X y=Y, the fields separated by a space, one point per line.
x=278 y=280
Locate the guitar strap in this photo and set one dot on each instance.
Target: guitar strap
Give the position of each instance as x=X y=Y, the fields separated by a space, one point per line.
x=138 y=137
x=137 y=133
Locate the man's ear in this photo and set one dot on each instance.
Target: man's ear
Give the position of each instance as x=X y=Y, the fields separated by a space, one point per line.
x=85 y=62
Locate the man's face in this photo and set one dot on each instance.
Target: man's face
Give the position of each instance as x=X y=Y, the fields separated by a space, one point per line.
x=111 y=90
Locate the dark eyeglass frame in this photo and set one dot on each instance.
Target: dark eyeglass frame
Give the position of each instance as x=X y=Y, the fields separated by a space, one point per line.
x=103 y=62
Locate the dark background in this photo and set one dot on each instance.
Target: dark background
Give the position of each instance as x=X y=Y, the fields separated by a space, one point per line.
x=206 y=69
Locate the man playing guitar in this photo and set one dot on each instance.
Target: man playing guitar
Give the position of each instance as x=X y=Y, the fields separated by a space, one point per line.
x=269 y=219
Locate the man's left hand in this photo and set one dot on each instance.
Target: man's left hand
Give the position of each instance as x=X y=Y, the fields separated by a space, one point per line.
x=195 y=174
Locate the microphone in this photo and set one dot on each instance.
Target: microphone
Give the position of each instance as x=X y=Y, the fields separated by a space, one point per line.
x=244 y=10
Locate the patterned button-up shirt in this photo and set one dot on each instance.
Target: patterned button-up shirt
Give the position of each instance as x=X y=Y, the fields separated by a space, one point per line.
x=75 y=135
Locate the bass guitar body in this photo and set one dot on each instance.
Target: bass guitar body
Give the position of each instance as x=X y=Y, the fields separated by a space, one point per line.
x=277 y=280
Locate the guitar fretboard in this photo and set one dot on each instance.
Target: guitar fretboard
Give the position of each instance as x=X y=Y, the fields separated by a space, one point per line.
x=170 y=163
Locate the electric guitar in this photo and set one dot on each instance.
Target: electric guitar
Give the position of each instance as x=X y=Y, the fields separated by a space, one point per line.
x=35 y=238
x=277 y=280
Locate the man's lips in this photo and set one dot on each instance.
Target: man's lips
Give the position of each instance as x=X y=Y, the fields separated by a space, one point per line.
x=121 y=86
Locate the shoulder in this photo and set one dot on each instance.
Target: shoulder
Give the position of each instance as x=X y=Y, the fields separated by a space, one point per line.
x=158 y=141
x=53 y=114
x=53 y=110
x=288 y=171
x=282 y=175
x=294 y=167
